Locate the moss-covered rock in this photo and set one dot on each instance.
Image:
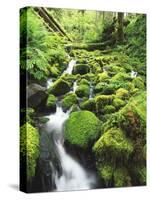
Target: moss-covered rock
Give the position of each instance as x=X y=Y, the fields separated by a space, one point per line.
x=108 y=109
x=88 y=105
x=113 y=145
x=106 y=173
x=101 y=101
x=102 y=77
x=29 y=148
x=81 y=69
x=120 y=77
x=122 y=93
x=60 y=87
x=54 y=71
x=69 y=100
x=82 y=129
x=121 y=178
x=118 y=103
x=83 y=90
x=51 y=102
x=138 y=83
x=83 y=81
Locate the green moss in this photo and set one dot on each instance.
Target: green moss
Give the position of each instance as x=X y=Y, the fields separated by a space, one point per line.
x=118 y=103
x=29 y=148
x=120 y=77
x=121 y=178
x=102 y=100
x=113 y=145
x=81 y=69
x=108 y=109
x=102 y=77
x=60 y=87
x=122 y=93
x=69 y=100
x=138 y=83
x=106 y=172
x=88 y=105
x=51 y=101
x=83 y=82
x=82 y=129
x=83 y=90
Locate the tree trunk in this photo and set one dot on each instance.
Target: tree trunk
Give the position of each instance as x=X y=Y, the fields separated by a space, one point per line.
x=120 y=27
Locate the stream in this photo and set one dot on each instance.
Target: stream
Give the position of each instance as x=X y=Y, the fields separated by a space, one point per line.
x=70 y=175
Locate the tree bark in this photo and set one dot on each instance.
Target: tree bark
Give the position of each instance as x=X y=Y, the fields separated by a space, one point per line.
x=120 y=27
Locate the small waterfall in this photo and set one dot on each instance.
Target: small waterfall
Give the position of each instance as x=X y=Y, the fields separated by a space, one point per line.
x=70 y=67
x=75 y=86
x=49 y=83
x=91 y=91
x=133 y=74
x=74 y=176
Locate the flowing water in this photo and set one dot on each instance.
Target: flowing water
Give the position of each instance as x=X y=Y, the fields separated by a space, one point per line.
x=73 y=176
x=133 y=74
x=70 y=67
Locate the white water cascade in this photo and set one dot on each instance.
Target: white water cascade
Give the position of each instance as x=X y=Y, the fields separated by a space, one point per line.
x=70 y=67
x=133 y=74
x=74 y=176
x=49 y=83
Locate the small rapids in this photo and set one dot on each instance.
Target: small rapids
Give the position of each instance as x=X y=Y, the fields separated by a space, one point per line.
x=74 y=176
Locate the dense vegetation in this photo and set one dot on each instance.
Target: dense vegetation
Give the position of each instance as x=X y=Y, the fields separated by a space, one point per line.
x=108 y=47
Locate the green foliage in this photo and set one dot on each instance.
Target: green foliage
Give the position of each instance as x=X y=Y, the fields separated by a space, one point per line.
x=106 y=172
x=102 y=77
x=69 y=100
x=39 y=48
x=82 y=128
x=29 y=148
x=60 y=87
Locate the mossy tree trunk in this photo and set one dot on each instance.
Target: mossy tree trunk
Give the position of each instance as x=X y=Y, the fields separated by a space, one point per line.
x=120 y=33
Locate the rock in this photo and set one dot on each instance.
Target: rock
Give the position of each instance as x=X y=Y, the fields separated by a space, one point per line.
x=51 y=103
x=101 y=101
x=69 y=100
x=81 y=69
x=83 y=90
x=88 y=105
x=122 y=93
x=36 y=94
x=60 y=87
x=82 y=129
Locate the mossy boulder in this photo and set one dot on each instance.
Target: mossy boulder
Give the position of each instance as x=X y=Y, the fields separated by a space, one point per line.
x=83 y=81
x=69 y=100
x=29 y=148
x=120 y=77
x=102 y=77
x=81 y=69
x=118 y=103
x=60 y=87
x=102 y=100
x=83 y=90
x=51 y=103
x=113 y=145
x=88 y=105
x=121 y=178
x=82 y=129
x=122 y=93
x=108 y=109
x=138 y=83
